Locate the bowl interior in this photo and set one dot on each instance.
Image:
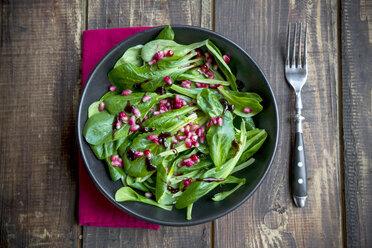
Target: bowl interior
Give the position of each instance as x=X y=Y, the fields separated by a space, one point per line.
x=204 y=209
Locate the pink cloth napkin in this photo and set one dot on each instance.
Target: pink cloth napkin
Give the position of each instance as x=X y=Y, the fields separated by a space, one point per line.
x=94 y=208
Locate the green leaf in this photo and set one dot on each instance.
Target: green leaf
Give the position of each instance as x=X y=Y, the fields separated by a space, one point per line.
x=243 y=165
x=204 y=163
x=116 y=173
x=230 y=179
x=251 y=95
x=208 y=102
x=222 y=64
x=255 y=140
x=189 y=210
x=200 y=79
x=163 y=195
x=128 y=194
x=249 y=123
x=131 y=56
x=187 y=92
x=166 y=34
x=200 y=188
x=242 y=102
x=220 y=140
x=107 y=149
x=93 y=108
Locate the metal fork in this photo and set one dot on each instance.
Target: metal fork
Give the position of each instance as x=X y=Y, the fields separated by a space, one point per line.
x=296 y=74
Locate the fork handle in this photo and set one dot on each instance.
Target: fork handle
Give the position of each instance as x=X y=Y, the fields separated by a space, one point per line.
x=299 y=178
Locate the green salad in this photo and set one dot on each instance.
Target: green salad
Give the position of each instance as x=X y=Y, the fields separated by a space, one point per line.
x=173 y=125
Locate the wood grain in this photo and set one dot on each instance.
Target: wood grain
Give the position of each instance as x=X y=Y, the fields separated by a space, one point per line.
x=114 y=14
x=39 y=68
x=269 y=218
x=357 y=123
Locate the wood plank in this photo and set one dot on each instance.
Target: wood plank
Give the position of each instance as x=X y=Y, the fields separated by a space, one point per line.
x=269 y=218
x=39 y=68
x=356 y=100
x=114 y=14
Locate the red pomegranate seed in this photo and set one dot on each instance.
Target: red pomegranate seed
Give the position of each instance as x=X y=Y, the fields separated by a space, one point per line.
x=188 y=162
x=199 y=132
x=138 y=154
x=148 y=154
x=101 y=107
x=156 y=113
x=134 y=128
x=219 y=121
x=145 y=118
x=188 y=143
x=226 y=58
x=170 y=53
x=168 y=80
x=210 y=123
x=210 y=74
x=195 y=158
x=209 y=60
x=194 y=138
x=118 y=125
x=159 y=55
x=174 y=140
x=194 y=127
x=126 y=92
x=153 y=62
x=114 y=157
x=213 y=86
x=117 y=163
x=112 y=88
x=136 y=112
x=198 y=53
x=187 y=182
x=152 y=137
x=180 y=138
x=205 y=68
x=202 y=138
x=182 y=164
x=247 y=110
x=214 y=120
x=123 y=117
x=196 y=144
x=198 y=85
x=132 y=120
x=220 y=85
x=146 y=98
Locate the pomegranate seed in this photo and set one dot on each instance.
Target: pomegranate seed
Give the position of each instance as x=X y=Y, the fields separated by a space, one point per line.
x=194 y=138
x=209 y=60
x=174 y=140
x=214 y=120
x=188 y=143
x=226 y=58
x=210 y=123
x=210 y=74
x=145 y=118
x=198 y=53
x=186 y=84
x=219 y=121
x=205 y=68
x=146 y=98
x=247 y=110
x=159 y=55
x=215 y=67
x=213 y=86
x=182 y=129
x=148 y=154
x=101 y=107
x=138 y=154
x=180 y=138
x=198 y=85
x=182 y=164
x=163 y=102
x=187 y=182
x=148 y=194
x=220 y=85
x=202 y=129
x=170 y=53
x=168 y=80
x=166 y=170
x=156 y=113
x=114 y=157
x=202 y=138
x=117 y=163
x=152 y=62
x=194 y=127
x=196 y=144
x=118 y=125
x=134 y=128
x=112 y=88
x=123 y=117
x=126 y=92
x=132 y=120
x=136 y=112
x=195 y=158
x=152 y=137
x=188 y=162
x=198 y=132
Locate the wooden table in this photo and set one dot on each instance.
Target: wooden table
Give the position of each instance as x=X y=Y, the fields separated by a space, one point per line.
x=40 y=59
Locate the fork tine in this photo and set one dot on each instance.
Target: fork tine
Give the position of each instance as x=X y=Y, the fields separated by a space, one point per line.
x=288 y=44
x=294 y=46
x=299 y=63
x=305 y=48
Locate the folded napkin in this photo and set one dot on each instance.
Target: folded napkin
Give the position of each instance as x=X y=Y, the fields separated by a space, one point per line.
x=94 y=208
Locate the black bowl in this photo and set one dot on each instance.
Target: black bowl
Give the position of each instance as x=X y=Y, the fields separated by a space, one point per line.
x=204 y=210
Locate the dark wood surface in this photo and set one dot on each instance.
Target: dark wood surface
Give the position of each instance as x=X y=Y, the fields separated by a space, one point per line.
x=40 y=57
